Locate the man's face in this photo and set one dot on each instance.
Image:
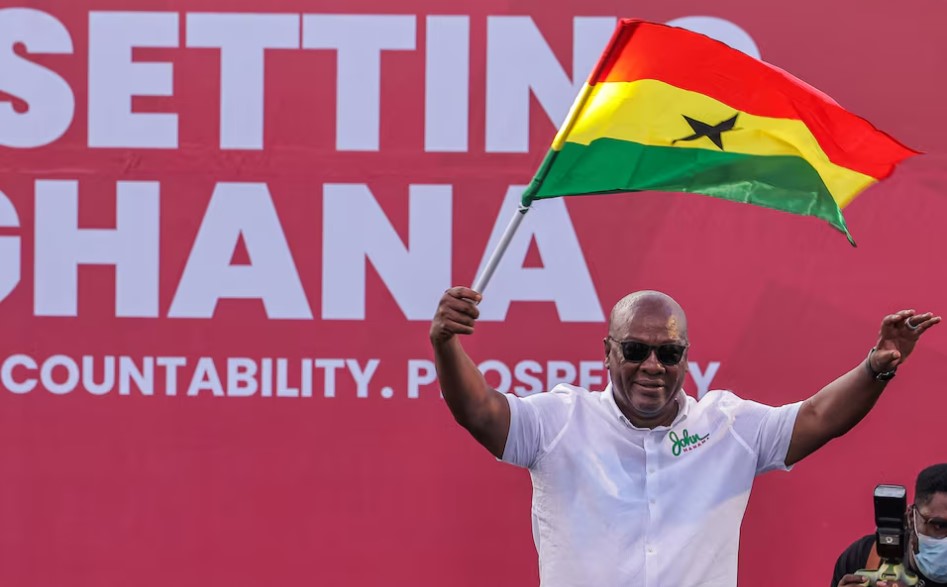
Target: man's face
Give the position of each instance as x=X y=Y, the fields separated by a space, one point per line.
x=931 y=518
x=647 y=388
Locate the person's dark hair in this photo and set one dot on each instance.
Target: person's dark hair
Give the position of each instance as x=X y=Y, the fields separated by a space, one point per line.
x=930 y=481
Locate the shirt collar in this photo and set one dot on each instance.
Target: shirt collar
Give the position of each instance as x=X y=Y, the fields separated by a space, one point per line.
x=683 y=407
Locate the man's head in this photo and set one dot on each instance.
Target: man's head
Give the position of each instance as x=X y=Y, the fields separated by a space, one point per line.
x=645 y=386
x=928 y=520
x=930 y=501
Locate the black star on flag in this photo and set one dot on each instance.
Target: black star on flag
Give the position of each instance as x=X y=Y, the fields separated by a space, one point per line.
x=702 y=129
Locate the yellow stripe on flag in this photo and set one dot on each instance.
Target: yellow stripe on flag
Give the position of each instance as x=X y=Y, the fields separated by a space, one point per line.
x=651 y=112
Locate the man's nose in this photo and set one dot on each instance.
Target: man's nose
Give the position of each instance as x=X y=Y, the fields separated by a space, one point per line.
x=651 y=364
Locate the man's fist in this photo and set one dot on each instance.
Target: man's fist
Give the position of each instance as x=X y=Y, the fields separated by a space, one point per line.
x=456 y=314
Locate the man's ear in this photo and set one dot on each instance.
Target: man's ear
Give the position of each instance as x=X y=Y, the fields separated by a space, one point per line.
x=607 y=347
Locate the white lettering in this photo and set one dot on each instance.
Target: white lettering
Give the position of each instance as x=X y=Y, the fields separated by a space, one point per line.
x=235 y=210
x=242 y=40
x=703 y=380
x=330 y=366
x=88 y=375
x=6 y=374
x=359 y=40
x=520 y=62
x=282 y=380
x=559 y=372
x=170 y=365
x=306 y=378
x=362 y=377
x=241 y=380
x=266 y=377
x=355 y=229
x=72 y=374
x=564 y=277
x=526 y=372
x=506 y=378
x=132 y=247
x=420 y=372
x=50 y=104
x=586 y=378
x=144 y=377
x=205 y=378
x=446 y=83
x=9 y=248
x=114 y=79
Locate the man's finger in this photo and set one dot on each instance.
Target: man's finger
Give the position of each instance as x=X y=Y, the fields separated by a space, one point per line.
x=917 y=319
x=452 y=315
x=852 y=580
x=465 y=293
x=921 y=323
x=462 y=306
x=893 y=319
x=458 y=328
x=930 y=322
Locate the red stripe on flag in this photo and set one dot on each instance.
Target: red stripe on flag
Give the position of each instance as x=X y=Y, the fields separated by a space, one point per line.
x=691 y=61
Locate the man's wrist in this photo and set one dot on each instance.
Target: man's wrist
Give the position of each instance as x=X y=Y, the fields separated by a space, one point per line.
x=883 y=376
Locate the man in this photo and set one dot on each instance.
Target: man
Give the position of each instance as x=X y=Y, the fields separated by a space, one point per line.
x=925 y=553
x=641 y=484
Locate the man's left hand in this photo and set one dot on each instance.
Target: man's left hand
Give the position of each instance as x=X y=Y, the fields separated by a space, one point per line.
x=899 y=333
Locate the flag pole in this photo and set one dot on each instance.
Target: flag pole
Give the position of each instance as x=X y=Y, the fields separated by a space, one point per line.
x=557 y=143
x=530 y=193
x=491 y=266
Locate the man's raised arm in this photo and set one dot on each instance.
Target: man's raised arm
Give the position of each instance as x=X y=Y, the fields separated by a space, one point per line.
x=483 y=411
x=840 y=405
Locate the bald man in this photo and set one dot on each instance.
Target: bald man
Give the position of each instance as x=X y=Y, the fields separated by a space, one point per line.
x=641 y=484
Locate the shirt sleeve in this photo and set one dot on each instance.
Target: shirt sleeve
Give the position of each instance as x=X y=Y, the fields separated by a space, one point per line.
x=536 y=423
x=765 y=430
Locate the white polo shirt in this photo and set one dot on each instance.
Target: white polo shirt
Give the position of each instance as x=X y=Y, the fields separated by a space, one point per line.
x=615 y=505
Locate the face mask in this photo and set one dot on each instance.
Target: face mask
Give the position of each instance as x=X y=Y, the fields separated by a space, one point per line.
x=932 y=556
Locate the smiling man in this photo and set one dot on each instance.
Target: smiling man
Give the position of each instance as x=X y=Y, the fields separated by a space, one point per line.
x=642 y=484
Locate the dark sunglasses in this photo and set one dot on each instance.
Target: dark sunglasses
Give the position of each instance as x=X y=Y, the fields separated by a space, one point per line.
x=637 y=352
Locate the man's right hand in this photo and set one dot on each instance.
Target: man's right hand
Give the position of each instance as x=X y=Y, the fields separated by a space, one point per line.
x=456 y=314
x=475 y=405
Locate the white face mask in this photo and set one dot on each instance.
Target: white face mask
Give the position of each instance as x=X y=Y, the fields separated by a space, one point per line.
x=932 y=555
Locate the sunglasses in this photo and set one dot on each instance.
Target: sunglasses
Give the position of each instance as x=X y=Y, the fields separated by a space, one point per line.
x=637 y=352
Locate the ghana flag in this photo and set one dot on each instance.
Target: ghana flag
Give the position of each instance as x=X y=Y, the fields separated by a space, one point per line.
x=671 y=110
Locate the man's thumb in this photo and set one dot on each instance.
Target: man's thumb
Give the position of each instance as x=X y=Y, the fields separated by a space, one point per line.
x=888 y=357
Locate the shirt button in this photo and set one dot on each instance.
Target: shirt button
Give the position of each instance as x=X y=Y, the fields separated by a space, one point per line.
x=651 y=470
x=650 y=550
x=653 y=501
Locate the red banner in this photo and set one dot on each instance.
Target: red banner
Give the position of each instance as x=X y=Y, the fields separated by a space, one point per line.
x=224 y=228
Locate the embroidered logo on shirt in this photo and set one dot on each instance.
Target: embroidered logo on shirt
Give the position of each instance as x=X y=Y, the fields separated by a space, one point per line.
x=685 y=443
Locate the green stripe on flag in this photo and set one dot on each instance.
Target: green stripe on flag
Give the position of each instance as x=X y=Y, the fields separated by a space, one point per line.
x=780 y=182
